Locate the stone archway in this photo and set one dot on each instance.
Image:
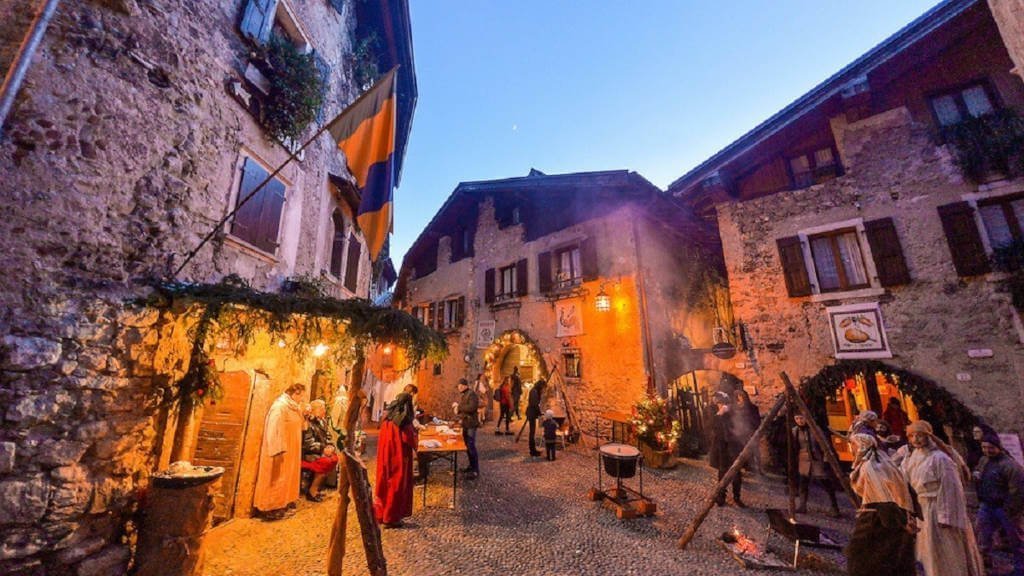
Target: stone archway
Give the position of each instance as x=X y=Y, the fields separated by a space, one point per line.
x=500 y=346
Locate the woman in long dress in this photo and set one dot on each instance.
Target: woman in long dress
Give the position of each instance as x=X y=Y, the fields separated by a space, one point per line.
x=277 y=482
x=946 y=544
x=396 y=444
x=883 y=535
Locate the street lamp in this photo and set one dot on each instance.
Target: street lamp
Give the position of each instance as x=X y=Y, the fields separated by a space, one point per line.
x=603 y=302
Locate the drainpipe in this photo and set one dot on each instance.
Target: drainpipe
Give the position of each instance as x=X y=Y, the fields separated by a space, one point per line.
x=644 y=323
x=19 y=67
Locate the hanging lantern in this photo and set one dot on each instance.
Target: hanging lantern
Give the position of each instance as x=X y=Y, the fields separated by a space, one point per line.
x=602 y=301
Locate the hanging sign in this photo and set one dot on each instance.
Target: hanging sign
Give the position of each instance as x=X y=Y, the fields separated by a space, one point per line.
x=857 y=331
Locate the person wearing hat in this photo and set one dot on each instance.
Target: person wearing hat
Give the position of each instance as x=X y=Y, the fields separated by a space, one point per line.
x=945 y=544
x=1000 y=484
x=550 y=427
x=725 y=445
x=883 y=535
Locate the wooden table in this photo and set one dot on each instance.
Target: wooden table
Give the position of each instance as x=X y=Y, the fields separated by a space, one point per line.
x=449 y=450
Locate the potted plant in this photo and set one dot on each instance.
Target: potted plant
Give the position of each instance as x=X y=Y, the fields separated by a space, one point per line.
x=655 y=431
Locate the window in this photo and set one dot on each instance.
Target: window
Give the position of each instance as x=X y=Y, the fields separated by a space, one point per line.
x=838 y=261
x=571 y=361
x=451 y=313
x=952 y=107
x=258 y=219
x=814 y=167
x=262 y=19
x=462 y=244
x=506 y=283
x=337 y=244
x=568 y=270
x=355 y=254
x=437 y=369
x=1003 y=219
x=844 y=256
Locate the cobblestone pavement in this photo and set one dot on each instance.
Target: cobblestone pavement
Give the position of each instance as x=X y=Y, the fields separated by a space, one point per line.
x=525 y=516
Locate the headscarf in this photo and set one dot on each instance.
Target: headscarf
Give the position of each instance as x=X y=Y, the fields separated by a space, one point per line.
x=924 y=427
x=875 y=478
x=401 y=411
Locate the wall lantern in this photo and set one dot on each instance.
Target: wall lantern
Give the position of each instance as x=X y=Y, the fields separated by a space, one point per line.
x=387 y=349
x=319 y=350
x=603 y=302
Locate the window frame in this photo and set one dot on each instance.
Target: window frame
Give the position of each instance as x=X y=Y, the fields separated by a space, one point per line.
x=956 y=92
x=236 y=195
x=1015 y=224
x=502 y=292
x=577 y=373
x=837 y=260
x=812 y=161
x=856 y=225
x=575 y=277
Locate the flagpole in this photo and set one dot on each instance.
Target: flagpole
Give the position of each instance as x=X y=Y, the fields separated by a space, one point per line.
x=242 y=202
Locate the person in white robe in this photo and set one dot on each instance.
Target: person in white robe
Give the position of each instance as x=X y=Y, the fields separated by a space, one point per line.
x=945 y=545
x=277 y=481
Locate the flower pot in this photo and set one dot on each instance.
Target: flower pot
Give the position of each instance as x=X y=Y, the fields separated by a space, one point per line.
x=656 y=457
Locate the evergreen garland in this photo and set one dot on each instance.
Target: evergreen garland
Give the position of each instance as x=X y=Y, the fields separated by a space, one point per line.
x=232 y=305
x=933 y=403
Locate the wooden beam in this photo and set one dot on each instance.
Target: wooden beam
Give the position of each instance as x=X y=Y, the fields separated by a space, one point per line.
x=822 y=441
x=744 y=455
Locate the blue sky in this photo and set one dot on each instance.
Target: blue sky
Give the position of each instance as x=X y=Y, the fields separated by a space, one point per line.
x=655 y=86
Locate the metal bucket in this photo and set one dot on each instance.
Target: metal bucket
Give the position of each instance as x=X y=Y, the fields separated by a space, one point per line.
x=619 y=460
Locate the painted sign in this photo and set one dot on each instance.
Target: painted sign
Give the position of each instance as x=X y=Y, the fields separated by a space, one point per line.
x=857 y=331
x=568 y=320
x=484 y=333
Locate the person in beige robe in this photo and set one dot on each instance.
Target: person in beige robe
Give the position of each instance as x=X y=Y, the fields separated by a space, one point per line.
x=277 y=481
x=945 y=544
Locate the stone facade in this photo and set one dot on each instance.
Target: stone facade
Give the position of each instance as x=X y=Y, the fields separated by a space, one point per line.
x=952 y=327
x=124 y=149
x=637 y=258
x=1009 y=14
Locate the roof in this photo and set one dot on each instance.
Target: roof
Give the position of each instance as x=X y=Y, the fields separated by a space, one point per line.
x=848 y=77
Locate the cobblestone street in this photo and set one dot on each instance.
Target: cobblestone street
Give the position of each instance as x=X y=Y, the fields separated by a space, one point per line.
x=524 y=516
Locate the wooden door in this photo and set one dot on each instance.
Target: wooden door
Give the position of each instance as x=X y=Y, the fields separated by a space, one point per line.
x=221 y=433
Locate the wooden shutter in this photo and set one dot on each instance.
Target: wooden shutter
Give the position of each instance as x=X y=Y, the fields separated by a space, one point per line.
x=964 y=239
x=588 y=259
x=887 y=252
x=337 y=245
x=270 y=216
x=522 y=279
x=355 y=253
x=432 y=315
x=794 y=269
x=258 y=19
x=489 y=286
x=246 y=221
x=544 y=272
x=461 y=314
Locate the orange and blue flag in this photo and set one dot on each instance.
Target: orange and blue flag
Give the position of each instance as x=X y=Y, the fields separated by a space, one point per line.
x=365 y=132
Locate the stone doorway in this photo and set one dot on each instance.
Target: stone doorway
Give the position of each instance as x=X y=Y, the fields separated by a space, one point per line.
x=514 y=348
x=222 y=432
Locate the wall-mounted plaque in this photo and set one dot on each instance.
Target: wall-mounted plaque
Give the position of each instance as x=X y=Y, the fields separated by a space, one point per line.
x=858 y=331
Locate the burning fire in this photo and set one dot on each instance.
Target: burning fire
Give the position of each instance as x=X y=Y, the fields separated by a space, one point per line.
x=745 y=545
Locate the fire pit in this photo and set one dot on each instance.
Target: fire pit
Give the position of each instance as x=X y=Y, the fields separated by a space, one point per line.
x=621 y=461
x=749 y=553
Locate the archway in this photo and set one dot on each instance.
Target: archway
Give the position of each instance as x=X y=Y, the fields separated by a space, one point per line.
x=839 y=392
x=514 y=348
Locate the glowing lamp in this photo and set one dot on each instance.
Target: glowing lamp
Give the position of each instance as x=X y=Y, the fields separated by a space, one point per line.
x=602 y=301
x=319 y=350
x=387 y=348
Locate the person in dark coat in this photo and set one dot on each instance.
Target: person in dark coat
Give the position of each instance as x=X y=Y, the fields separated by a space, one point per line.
x=533 y=412
x=724 y=445
x=811 y=465
x=469 y=405
x=1000 y=484
x=517 y=391
x=319 y=455
x=746 y=421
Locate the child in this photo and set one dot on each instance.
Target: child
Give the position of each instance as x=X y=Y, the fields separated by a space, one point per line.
x=550 y=427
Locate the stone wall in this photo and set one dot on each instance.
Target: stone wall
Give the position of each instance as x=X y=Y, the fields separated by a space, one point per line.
x=121 y=153
x=1009 y=15
x=614 y=369
x=894 y=168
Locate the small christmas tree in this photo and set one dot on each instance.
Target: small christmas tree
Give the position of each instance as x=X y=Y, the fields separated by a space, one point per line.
x=653 y=425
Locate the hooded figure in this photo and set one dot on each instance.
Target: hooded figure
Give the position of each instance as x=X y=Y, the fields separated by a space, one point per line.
x=882 y=541
x=945 y=544
x=392 y=493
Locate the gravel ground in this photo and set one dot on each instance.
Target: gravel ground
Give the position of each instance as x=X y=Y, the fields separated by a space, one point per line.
x=526 y=516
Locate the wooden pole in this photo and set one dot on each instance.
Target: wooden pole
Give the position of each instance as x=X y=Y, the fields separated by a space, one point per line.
x=790 y=468
x=744 y=455
x=368 y=527
x=356 y=400
x=822 y=441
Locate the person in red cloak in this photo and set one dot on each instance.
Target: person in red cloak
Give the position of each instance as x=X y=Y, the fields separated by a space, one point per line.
x=396 y=447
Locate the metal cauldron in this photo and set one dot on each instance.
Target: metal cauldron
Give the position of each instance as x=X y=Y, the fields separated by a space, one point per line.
x=619 y=460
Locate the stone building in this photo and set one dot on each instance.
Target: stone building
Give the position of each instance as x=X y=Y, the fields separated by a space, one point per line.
x=140 y=124
x=597 y=276
x=857 y=237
